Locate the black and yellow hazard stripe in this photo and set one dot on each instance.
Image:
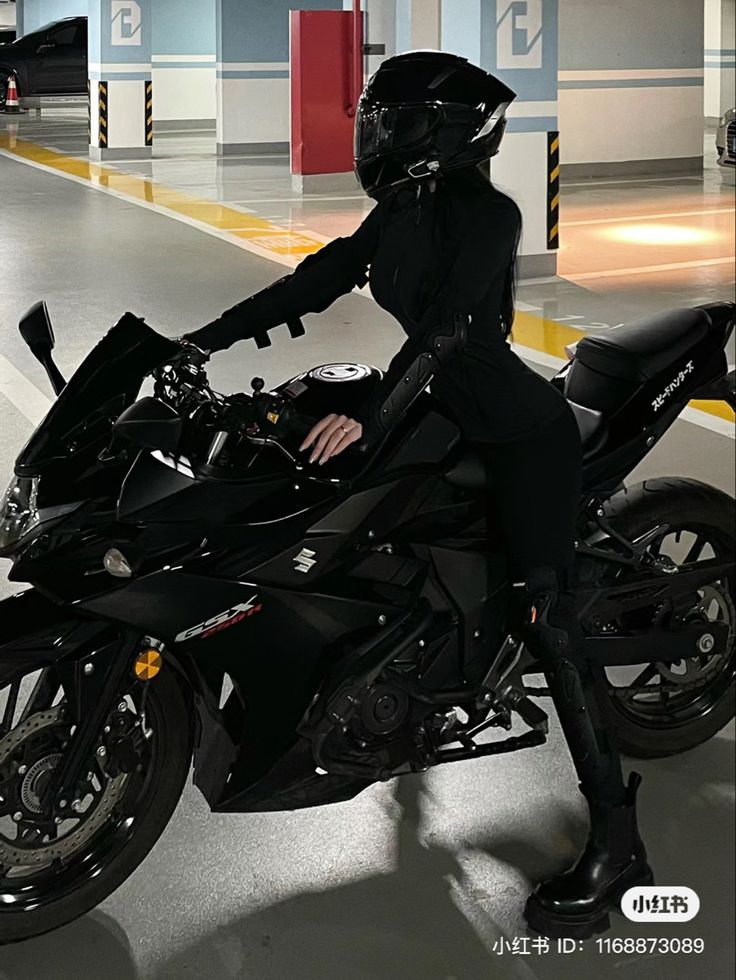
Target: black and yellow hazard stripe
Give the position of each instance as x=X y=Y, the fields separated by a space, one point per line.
x=102 y=114
x=149 y=113
x=553 y=190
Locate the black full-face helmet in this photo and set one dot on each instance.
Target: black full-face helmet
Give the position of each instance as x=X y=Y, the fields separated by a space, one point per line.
x=425 y=113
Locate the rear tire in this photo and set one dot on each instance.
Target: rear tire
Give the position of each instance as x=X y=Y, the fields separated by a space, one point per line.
x=697 y=507
x=168 y=711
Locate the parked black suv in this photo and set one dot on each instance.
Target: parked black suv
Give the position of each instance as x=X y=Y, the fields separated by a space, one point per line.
x=49 y=61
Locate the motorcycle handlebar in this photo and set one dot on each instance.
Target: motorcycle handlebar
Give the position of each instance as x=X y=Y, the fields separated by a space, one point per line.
x=260 y=413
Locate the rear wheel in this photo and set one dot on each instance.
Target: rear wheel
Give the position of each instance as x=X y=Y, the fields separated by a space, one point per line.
x=54 y=869
x=662 y=709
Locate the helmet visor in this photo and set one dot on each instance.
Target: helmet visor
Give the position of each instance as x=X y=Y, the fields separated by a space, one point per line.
x=382 y=129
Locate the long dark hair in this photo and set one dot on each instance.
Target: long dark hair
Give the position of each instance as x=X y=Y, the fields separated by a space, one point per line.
x=480 y=177
x=508 y=302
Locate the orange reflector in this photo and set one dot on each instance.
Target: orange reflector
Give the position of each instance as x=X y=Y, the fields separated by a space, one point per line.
x=148 y=665
x=534 y=614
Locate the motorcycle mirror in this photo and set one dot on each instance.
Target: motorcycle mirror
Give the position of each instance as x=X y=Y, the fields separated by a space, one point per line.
x=36 y=330
x=151 y=424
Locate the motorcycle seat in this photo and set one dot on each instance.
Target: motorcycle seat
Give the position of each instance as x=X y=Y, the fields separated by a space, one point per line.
x=642 y=350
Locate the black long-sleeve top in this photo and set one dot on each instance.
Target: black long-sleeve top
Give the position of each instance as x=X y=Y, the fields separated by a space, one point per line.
x=429 y=254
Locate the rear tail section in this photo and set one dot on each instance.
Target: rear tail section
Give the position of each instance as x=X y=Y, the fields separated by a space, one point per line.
x=627 y=386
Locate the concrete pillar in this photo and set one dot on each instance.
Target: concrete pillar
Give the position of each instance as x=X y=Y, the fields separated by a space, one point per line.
x=25 y=16
x=253 y=73
x=518 y=43
x=121 y=98
x=425 y=23
x=631 y=87
x=184 y=72
x=720 y=57
x=418 y=24
x=380 y=29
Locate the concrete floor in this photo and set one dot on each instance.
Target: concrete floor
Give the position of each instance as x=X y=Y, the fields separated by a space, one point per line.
x=411 y=880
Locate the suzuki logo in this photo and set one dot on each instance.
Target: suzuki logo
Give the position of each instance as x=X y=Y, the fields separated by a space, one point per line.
x=519 y=34
x=125 y=17
x=305 y=560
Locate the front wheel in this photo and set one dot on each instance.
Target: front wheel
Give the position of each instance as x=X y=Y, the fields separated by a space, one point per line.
x=660 y=709
x=54 y=870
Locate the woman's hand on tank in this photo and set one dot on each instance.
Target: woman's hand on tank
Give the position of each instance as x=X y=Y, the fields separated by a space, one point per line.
x=330 y=436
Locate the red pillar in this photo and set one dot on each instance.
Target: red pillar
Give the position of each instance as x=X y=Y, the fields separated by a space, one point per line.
x=326 y=79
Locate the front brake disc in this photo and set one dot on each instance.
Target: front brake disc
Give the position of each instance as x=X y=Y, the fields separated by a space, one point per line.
x=74 y=831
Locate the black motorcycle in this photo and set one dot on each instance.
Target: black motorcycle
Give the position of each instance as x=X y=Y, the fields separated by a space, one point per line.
x=200 y=590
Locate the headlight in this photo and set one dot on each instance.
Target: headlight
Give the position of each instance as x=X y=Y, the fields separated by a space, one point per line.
x=19 y=510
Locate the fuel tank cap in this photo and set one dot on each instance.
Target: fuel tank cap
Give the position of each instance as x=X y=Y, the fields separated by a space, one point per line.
x=341 y=372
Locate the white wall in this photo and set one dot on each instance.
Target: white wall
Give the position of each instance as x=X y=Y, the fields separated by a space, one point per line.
x=184 y=70
x=631 y=82
x=7 y=15
x=728 y=75
x=720 y=74
x=425 y=23
x=184 y=93
x=256 y=106
x=381 y=19
x=517 y=171
x=615 y=125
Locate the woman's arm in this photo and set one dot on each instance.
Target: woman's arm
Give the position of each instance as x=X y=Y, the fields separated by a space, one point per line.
x=313 y=286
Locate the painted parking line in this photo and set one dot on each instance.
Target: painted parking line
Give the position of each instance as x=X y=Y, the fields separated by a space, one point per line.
x=257 y=235
x=640 y=269
x=543 y=341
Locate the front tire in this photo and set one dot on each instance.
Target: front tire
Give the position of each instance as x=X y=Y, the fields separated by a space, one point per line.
x=34 y=902
x=702 y=691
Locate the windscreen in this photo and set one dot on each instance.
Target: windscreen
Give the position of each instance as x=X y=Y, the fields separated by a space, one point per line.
x=105 y=383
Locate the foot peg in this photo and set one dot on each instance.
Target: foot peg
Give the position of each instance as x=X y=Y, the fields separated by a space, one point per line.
x=530 y=713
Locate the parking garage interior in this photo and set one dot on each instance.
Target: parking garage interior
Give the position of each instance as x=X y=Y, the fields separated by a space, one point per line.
x=170 y=186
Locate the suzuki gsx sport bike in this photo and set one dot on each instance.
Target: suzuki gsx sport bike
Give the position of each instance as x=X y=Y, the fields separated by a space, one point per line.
x=200 y=593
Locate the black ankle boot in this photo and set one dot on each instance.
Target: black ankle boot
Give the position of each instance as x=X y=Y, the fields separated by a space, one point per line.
x=577 y=903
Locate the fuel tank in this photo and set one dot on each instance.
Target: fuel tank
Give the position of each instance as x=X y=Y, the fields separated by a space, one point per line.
x=342 y=386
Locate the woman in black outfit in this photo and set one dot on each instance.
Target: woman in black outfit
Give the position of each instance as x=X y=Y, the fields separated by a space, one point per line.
x=439 y=250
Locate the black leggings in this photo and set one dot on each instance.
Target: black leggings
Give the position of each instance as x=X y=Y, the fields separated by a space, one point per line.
x=536 y=485
x=535 y=495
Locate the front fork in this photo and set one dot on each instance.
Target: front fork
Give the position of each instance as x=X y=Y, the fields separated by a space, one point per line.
x=93 y=685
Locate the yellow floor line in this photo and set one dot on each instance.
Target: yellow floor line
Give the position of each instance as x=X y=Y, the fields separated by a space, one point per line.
x=264 y=238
